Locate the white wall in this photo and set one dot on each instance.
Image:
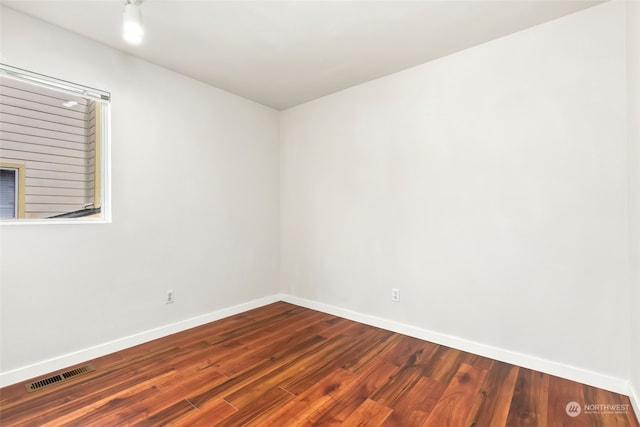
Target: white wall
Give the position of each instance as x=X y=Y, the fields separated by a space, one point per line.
x=490 y=186
x=195 y=207
x=633 y=114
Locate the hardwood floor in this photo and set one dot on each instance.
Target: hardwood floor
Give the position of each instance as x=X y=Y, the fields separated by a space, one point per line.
x=284 y=365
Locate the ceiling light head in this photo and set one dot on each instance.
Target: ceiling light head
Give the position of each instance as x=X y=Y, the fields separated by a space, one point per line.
x=132 y=30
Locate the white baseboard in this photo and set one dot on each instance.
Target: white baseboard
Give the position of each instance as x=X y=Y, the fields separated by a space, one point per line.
x=84 y=355
x=618 y=385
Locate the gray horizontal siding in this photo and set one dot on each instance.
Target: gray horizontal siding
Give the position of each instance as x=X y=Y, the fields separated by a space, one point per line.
x=55 y=143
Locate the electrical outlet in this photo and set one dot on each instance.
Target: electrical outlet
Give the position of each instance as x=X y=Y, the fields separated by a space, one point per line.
x=395 y=294
x=168 y=298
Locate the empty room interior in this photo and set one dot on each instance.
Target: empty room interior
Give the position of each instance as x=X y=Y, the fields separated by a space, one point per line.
x=275 y=213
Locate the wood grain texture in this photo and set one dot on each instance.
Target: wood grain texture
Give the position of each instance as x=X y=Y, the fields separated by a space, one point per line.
x=530 y=402
x=283 y=365
x=495 y=400
x=452 y=409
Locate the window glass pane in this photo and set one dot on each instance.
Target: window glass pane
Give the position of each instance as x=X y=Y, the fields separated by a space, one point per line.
x=8 y=192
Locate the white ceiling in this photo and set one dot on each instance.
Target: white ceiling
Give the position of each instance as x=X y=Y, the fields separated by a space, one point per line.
x=283 y=53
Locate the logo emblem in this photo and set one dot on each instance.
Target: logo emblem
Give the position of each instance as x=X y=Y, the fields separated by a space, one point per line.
x=573 y=409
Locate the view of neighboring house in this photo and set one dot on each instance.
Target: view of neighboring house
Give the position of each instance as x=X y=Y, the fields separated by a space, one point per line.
x=47 y=152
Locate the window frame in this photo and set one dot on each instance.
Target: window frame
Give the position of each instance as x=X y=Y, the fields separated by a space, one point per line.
x=102 y=179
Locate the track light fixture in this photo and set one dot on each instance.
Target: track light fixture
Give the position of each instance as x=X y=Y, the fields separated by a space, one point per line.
x=132 y=30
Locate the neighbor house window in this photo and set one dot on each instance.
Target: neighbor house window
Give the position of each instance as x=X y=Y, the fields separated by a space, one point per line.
x=8 y=193
x=53 y=148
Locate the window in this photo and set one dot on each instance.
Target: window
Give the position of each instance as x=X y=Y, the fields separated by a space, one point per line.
x=8 y=193
x=11 y=191
x=53 y=148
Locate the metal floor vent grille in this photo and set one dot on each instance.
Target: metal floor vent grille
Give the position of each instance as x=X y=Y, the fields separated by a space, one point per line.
x=40 y=384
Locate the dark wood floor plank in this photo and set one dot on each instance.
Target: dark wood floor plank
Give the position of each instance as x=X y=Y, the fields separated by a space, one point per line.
x=338 y=326
x=413 y=407
x=257 y=371
x=262 y=406
x=177 y=410
x=347 y=400
x=305 y=378
x=408 y=375
x=444 y=364
x=284 y=365
x=257 y=349
x=561 y=393
x=258 y=327
x=599 y=418
x=296 y=376
x=311 y=324
x=109 y=407
x=621 y=414
x=277 y=377
x=457 y=399
x=405 y=347
x=495 y=396
x=171 y=398
x=304 y=405
x=477 y=361
x=377 y=351
x=214 y=414
x=369 y=413
x=529 y=405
